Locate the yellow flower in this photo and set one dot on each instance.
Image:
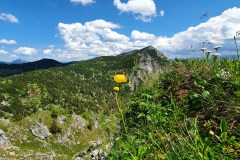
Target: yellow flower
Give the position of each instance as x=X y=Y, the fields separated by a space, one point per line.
x=211 y=133
x=117 y=139
x=116 y=88
x=120 y=78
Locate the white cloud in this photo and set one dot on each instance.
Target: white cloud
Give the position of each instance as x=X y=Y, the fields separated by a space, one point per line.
x=3 y=52
x=14 y=56
x=47 y=51
x=93 y=38
x=90 y=40
x=217 y=30
x=25 y=50
x=162 y=13
x=136 y=35
x=101 y=24
x=83 y=2
x=50 y=50
x=142 y=10
x=8 y=17
x=4 y=41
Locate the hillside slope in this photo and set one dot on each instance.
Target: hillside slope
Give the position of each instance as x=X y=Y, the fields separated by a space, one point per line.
x=76 y=103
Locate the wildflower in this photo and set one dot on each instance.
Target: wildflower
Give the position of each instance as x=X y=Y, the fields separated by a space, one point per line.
x=203 y=49
x=120 y=78
x=4 y=103
x=217 y=47
x=208 y=52
x=211 y=133
x=216 y=54
x=117 y=139
x=208 y=55
x=116 y=88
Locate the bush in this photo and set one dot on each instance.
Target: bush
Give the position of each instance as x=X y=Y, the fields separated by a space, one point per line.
x=54 y=129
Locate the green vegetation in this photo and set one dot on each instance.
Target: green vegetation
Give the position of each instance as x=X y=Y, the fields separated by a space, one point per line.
x=81 y=91
x=189 y=112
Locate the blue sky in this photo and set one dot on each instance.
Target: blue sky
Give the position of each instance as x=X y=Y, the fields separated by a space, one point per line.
x=69 y=30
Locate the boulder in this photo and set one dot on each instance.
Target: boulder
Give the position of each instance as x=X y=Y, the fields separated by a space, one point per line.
x=78 y=122
x=40 y=130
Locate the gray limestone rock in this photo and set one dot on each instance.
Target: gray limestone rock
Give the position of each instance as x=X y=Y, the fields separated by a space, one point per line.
x=94 y=144
x=97 y=154
x=78 y=122
x=61 y=119
x=4 y=142
x=40 y=130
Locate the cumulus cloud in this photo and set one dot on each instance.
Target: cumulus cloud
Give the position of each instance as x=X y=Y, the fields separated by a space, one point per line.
x=8 y=17
x=25 y=51
x=4 y=41
x=83 y=2
x=142 y=10
x=136 y=35
x=101 y=24
x=93 y=38
x=49 y=50
x=90 y=40
x=3 y=52
x=162 y=13
x=217 y=30
x=14 y=56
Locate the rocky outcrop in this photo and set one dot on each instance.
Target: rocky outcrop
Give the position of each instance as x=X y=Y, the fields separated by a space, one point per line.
x=97 y=154
x=92 y=152
x=78 y=122
x=95 y=144
x=4 y=142
x=149 y=61
x=40 y=130
x=61 y=119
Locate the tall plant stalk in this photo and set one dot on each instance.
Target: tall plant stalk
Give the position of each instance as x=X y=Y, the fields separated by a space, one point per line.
x=236 y=46
x=121 y=112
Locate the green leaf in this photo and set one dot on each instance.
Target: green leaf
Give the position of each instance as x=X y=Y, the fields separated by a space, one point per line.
x=237 y=93
x=141 y=115
x=205 y=94
x=223 y=125
x=224 y=136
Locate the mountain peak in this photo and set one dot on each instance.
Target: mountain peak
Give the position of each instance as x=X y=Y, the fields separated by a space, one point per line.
x=149 y=50
x=18 y=61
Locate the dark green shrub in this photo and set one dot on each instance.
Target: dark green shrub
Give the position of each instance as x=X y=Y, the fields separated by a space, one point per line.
x=54 y=129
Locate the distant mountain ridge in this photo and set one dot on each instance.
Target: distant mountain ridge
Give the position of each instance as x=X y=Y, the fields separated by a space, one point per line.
x=18 y=66
x=19 y=61
x=16 y=61
x=150 y=53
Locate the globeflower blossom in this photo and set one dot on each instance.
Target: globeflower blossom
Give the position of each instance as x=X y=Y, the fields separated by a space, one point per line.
x=116 y=88
x=120 y=78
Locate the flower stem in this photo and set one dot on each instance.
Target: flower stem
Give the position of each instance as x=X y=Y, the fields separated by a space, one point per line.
x=121 y=112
